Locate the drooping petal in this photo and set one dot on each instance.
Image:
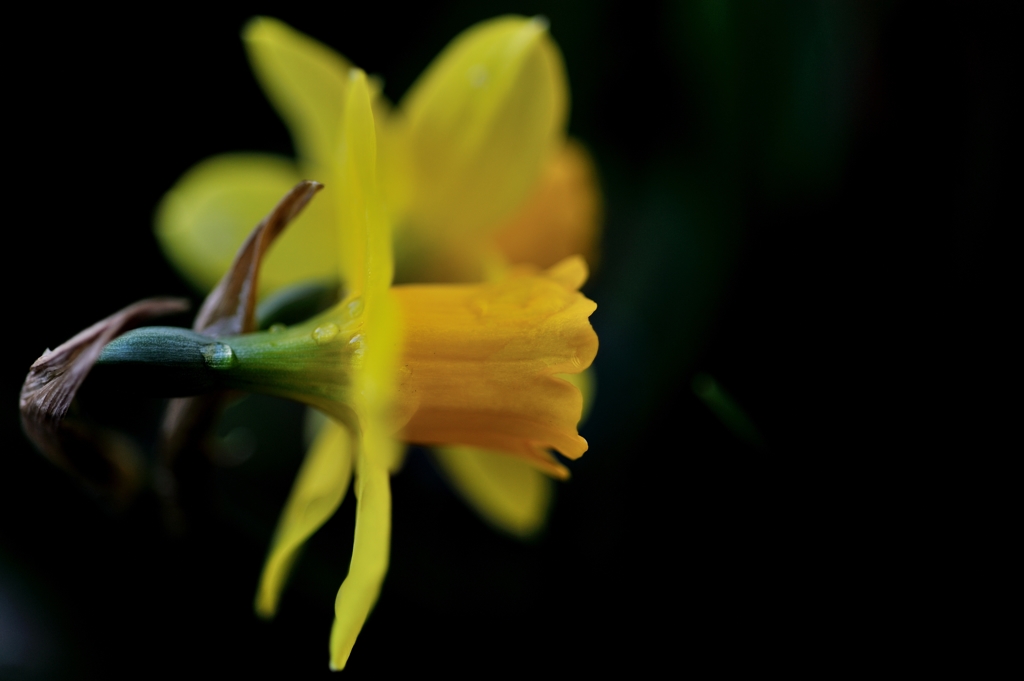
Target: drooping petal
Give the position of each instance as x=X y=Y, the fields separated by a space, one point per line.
x=318 y=491
x=367 y=267
x=479 y=363
x=305 y=80
x=211 y=210
x=481 y=123
x=370 y=551
x=507 y=492
x=562 y=216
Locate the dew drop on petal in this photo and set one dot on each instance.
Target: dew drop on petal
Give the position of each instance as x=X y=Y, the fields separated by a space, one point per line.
x=325 y=333
x=355 y=307
x=356 y=342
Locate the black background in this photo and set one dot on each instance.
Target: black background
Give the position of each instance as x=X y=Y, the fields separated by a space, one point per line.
x=804 y=200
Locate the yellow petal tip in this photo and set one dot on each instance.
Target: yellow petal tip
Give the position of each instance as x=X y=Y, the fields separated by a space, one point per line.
x=257 y=26
x=264 y=610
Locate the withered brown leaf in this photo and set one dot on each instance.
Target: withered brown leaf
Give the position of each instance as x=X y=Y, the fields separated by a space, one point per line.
x=99 y=458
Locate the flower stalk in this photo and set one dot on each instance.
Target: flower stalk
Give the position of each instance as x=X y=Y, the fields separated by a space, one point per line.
x=310 y=362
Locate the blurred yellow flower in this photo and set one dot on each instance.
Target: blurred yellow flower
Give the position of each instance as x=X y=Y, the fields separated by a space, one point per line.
x=472 y=173
x=476 y=168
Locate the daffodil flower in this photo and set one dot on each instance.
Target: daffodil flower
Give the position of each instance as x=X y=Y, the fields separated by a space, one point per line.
x=476 y=172
x=472 y=173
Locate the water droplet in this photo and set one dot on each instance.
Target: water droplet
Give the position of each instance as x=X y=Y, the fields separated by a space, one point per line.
x=218 y=355
x=356 y=342
x=355 y=308
x=276 y=328
x=325 y=333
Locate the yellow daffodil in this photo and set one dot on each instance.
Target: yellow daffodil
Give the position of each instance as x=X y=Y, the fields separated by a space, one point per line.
x=472 y=173
x=476 y=171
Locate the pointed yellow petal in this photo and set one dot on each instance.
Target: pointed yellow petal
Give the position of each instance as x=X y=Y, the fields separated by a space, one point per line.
x=211 y=210
x=482 y=121
x=306 y=82
x=359 y=591
x=364 y=231
x=316 y=495
x=367 y=266
x=560 y=218
x=479 y=363
x=366 y=257
x=507 y=492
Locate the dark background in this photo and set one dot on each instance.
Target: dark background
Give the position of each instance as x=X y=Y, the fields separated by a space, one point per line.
x=806 y=201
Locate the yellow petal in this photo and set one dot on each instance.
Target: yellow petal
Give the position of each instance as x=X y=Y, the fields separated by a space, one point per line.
x=316 y=495
x=359 y=591
x=482 y=121
x=479 y=362
x=560 y=218
x=367 y=261
x=305 y=80
x=393 y=167
x=210 y=211
x=364 y=231
x=507 y=492
x=367 y=266
x=376 y=382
